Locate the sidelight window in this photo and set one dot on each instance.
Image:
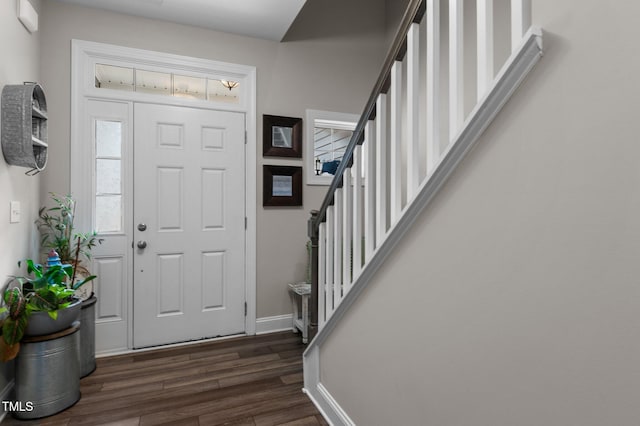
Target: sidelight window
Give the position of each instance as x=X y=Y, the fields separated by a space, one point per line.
x=108 y=169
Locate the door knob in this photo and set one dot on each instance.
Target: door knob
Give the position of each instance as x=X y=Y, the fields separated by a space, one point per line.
x=142 y=244
x=142 y=227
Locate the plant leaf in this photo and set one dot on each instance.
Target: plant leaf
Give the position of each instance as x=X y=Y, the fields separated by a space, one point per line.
x=31 y=266
x=13 y=329
x=16 y=303
x=84 y=281
x=8 y=352
x=44 y=300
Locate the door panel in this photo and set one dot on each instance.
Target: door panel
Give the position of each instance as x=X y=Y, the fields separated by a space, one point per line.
x=108 y=210
x=189 y=192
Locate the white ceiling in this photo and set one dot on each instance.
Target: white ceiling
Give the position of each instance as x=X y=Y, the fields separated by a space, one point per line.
x=267 y=19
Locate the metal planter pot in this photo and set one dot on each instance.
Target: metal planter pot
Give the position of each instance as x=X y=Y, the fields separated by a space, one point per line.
x=48 y=373
x=40 y=323
x=88 y=337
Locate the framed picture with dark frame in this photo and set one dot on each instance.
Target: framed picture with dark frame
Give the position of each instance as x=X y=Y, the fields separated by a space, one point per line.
x=282 y=186
x=281 y=136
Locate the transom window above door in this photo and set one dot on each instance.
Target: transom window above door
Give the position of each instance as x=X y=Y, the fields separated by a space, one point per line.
x=166 y=84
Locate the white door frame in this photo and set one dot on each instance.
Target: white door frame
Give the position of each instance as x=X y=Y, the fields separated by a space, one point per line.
x=85 y=55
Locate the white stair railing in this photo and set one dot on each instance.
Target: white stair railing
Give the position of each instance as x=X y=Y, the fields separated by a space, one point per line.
x=411 y=125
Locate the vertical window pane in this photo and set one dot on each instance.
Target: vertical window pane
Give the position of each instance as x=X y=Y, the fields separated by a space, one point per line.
x=108 y=138
x=108 y=177
x=108 y=213
x=108 y=173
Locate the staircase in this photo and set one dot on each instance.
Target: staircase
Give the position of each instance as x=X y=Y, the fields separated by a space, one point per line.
x=439 y=89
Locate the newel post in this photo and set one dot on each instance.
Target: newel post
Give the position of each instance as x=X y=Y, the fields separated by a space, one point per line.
x=313 y=311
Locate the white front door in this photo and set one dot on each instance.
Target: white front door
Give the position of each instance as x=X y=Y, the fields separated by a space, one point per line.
x=189 y=224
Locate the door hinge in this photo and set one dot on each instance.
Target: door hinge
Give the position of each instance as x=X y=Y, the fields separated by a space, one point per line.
x=245 y=309
x=245 y=222
x=245 y=137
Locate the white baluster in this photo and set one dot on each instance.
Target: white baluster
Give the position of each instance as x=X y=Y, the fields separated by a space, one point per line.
x=337 y=249
x=395 y=184
x=381 y=169
x=357 y=211
x=520 y=21
x=485 y=46
x=433 y=84
x=413 y=108
x=322 y=273
x=456 y=67
x=329 y=264
x=347 y=230
x=370 y=189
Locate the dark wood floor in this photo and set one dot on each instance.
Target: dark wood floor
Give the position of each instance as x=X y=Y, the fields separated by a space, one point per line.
x=242 y=381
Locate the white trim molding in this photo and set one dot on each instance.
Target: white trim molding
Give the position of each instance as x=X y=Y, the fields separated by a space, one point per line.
x=85 y=55
x=318 y=393
x=274 y=324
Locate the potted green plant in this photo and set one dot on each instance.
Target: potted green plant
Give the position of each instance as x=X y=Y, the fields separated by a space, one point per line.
x=42 y=303
x=57 y=231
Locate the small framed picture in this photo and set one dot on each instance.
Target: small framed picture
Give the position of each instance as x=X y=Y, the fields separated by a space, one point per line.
x=282 y=186
x=281 y=136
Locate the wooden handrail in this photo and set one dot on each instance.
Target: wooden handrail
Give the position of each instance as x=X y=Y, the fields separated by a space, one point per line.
x=414 y=13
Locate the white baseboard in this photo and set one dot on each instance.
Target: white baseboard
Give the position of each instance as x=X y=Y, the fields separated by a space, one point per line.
x=328 y=407
x=318 y=394
x=335 y=408
x=273 y=324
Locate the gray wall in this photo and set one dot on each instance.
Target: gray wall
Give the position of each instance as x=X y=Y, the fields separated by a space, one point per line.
x=319 y=66
x=394 y=12
x=514 y=300
x=20 y=58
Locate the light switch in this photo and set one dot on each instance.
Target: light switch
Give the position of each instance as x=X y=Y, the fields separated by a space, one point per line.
x=15 y=212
